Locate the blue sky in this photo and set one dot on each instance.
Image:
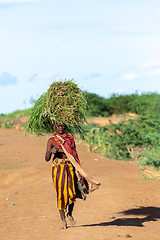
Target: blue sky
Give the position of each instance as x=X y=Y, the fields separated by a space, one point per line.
x=105 y=46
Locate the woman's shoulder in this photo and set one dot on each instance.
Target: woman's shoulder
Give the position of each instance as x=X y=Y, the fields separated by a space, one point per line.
x=50 y=139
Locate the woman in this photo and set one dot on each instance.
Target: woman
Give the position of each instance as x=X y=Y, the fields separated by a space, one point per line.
x=63 y=172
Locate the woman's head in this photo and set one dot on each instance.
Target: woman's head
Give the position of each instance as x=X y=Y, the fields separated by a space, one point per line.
x=59 y=128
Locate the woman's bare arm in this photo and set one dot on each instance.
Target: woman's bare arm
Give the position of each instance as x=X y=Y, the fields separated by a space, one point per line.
x=50 y=149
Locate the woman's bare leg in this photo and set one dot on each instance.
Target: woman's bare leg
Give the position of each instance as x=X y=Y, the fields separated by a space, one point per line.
x=69 y=214
x=64 y=223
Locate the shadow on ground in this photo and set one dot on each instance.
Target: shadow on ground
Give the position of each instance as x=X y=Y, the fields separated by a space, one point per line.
x=142 y=215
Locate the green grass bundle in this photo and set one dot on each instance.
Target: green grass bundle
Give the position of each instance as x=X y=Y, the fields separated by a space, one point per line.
x=63 y=103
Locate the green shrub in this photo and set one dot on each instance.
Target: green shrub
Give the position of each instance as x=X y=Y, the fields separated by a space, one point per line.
x=151 y=156
x=128 y=140
x=7 y=124
x=18 y=114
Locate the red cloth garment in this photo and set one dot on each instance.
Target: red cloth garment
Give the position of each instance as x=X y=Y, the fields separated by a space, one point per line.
x=69 y=145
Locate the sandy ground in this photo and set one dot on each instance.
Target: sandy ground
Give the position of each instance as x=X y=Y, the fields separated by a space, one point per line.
x=125 y=206
x=103 y=121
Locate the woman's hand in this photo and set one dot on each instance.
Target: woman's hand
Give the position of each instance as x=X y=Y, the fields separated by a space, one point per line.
x=54 y=150
x=80 y=177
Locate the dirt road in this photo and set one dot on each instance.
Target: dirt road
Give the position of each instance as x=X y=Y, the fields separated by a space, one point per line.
x=125 y=206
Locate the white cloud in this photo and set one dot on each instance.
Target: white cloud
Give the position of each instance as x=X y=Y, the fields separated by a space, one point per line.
x=36 y=76
x=150 y=64
x=155 y=72
x=144 y=70
x=129 y=77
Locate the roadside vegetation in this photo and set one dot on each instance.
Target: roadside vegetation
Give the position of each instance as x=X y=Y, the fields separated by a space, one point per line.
x=19 y=117
x=135 y=139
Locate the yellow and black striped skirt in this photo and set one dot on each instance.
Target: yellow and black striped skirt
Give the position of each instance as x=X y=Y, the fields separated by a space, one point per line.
x=63 y=175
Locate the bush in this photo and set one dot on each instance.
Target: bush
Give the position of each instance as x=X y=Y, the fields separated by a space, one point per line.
x=18 y=114
x=7 y=124
x=96 y=105
x=128 y=140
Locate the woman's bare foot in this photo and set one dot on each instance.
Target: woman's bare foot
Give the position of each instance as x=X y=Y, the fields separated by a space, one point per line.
x=64 y=224
x=71 y=220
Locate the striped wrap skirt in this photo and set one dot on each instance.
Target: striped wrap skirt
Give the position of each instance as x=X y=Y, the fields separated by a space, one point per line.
x=63 y=175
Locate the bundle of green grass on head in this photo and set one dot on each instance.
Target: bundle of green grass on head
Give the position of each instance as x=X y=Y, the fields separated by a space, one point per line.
x=63 y=103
